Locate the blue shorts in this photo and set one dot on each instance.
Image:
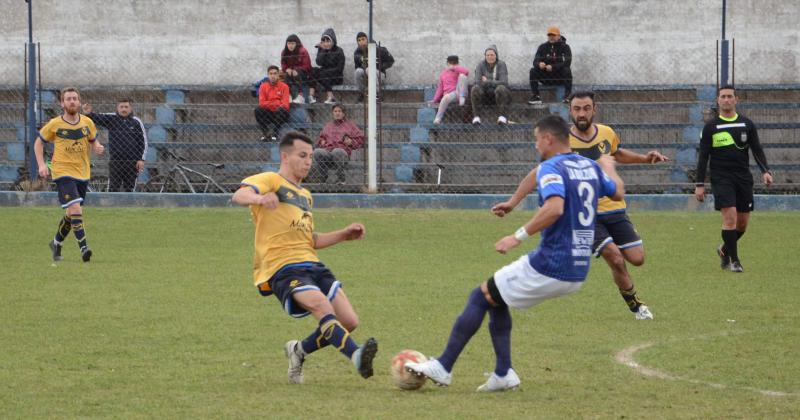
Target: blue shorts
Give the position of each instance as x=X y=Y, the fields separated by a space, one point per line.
x=616 y=228
x=294 y=278
x=71 y=191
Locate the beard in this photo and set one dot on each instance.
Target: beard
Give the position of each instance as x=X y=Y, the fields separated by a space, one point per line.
x=582 y=125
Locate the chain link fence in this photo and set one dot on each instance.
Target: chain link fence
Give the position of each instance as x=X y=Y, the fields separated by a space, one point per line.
x=206 y=135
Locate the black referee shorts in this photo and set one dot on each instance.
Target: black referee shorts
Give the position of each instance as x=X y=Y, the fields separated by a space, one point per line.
x=732 y=190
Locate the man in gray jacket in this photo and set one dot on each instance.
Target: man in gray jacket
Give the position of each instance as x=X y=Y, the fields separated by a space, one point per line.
x=491 y=86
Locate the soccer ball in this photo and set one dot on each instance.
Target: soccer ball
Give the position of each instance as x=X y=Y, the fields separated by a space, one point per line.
x=400 y=376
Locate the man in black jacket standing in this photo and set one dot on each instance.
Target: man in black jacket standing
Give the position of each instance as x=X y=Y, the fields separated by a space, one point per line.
x=127 y=140
x=551 y=65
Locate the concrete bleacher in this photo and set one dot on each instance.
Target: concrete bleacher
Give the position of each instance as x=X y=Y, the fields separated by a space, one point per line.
x=216 y=125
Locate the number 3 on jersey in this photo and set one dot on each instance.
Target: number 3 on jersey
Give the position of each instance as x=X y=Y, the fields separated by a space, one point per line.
x=586 y=193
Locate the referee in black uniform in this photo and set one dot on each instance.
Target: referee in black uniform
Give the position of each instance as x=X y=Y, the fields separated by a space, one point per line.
x=726 y=140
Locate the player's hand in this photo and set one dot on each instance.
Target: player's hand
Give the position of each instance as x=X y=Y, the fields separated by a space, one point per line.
x=700 y=193
x=87 y=108
x=43 y=171
x=654 y=156
x=354 y=231
x=767 y=178
x=607 y=163
x=268 y=200
x=506 y=244
x=502 y=209
x=140 y=166
x=98 y=148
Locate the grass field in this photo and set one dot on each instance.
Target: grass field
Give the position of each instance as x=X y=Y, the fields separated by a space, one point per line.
x=164 y=322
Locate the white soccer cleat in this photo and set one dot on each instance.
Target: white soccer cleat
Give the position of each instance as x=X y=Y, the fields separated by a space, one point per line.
x=476 y=120
x=431 y=369
x=294 y=352
x=502 y=120
x=643 y=313
x=500 y=383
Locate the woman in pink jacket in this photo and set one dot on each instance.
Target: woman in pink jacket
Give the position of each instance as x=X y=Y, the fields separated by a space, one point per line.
x=335 y=143
x=452 y=85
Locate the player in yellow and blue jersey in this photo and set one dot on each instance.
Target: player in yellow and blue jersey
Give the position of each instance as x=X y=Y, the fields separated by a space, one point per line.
x=72 y=135
x=286 y=262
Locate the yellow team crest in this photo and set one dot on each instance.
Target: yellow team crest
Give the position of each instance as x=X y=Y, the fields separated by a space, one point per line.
x=294 y=283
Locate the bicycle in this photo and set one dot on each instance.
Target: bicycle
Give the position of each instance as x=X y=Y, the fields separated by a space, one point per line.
x=182 y=179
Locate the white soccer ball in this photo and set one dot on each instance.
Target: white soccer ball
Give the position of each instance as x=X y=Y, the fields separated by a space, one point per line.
x=400 y=376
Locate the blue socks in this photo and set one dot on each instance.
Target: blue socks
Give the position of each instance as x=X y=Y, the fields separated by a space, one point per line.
x=313 y=342
x=464 y=328
x=77 y=227
x=64 y=227
x=336 y=335
x=500 y=330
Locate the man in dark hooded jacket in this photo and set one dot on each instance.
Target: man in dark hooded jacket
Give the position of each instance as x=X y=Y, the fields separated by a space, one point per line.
x=361 y=57
x=551 y=65
x=330 y=59
x=491 y=85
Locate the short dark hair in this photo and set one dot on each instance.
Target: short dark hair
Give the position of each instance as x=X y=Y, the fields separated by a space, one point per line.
x=582 y=94
x=556 y=126
x=121 y=100
x=273 y=67
x=452 y=59
x=731 y=87
x=340 y=106
x=68 y=89
x=289 y=138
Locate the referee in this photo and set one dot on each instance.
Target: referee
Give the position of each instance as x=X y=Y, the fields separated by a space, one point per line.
x=726 y=140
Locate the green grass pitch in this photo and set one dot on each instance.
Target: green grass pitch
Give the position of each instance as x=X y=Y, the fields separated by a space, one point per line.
x=165 y=323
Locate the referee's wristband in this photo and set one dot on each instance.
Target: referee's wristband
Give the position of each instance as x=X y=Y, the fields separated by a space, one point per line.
x=521 y=234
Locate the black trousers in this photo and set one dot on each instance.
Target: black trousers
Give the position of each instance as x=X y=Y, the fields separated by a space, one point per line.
x=271 y=122
x=122 y=175
x=325 y=79
x=562 y=76
x=296 y=82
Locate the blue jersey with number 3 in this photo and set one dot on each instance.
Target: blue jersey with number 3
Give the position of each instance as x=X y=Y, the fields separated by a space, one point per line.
x=566 y=245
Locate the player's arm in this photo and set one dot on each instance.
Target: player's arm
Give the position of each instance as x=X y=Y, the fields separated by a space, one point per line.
x=38 y=150
x=702 y=164
x=608 y=165
x=550 y=211
x=627 y=156
x=246 y=195
x=760 y=157
x=525 y=187
x=353 y=232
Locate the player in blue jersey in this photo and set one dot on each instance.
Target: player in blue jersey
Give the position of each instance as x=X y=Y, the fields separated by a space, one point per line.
x=569 y=186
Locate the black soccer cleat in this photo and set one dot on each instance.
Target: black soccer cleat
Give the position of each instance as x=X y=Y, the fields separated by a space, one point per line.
x=368 y=351
x=56 y=249
x=736 y=267
x=724 y=260
x=86 y=254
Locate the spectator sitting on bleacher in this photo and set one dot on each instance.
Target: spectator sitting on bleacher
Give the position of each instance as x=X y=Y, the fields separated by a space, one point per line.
x=452 y=85
x=330 y=59
x=273 y=105
x=335 y=144
x=361 y=58
x=491 y=85
x=296 y=67
x=551 y=65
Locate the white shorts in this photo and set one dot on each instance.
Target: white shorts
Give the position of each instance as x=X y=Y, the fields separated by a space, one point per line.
x=522 y=287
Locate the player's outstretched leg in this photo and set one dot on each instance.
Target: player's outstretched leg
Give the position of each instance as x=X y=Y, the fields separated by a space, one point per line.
x=439 y=370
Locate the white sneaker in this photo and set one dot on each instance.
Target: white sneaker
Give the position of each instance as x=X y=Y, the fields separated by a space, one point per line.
x=312 y=100
x=476 y=120
x=294 y=352
x=643 y=313
x=498 y=383
x=437 y=120
x=433 y=370
x=462 y=100
x=299 y=99
x=502 y=120
x=330 y=101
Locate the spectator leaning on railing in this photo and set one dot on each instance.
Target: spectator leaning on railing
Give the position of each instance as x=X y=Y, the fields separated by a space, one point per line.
x=127 y=142
x=273 y=105
x=296 y=67
x=491 y=85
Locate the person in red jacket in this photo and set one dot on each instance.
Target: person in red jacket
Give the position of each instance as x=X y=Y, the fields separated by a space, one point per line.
x=273 y=105
x=296 y=67
x=335 y=144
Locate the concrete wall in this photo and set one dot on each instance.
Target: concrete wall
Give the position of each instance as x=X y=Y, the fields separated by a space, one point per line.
x=225 y=42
